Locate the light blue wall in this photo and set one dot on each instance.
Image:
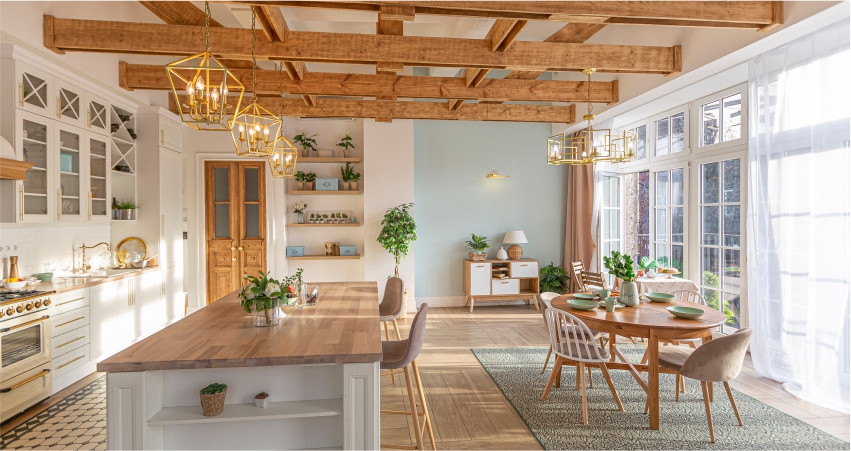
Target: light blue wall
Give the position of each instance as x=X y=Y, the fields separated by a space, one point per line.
x=454 y=199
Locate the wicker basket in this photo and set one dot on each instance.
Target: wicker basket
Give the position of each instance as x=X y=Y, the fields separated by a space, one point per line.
x=477 y=257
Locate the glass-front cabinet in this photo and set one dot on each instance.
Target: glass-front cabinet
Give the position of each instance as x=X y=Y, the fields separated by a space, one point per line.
x=97 y=115
x=98 y=187
x=36 y=199
x=70 y=104
x=70 y=193
x=34 y=90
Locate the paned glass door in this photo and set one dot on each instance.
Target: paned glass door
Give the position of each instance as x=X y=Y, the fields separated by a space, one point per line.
x=70 y=104
x=71 y=194
x=98 y=189
x=34 y=91
x=37 y=194
x=610 y=219
x=669 y=218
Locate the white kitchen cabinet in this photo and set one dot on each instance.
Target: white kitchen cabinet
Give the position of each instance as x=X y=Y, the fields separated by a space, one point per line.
x=70 y=103
x=150 y=306
x=98 y=115
x=34 y=89
x=99 y=178
x=33 y=199
x=507 y=286
x=524 y=269
x=171 y=209
x=169 y=134
x=72 y=161
x=112 y=318
x=175 y=297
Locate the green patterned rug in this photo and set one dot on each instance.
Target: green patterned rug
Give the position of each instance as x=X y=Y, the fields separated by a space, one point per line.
x=557 y=422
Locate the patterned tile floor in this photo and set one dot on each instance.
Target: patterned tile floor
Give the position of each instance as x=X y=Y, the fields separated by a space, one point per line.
x=76 y=422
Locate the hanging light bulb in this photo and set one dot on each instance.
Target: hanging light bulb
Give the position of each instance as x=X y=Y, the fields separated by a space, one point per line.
x=259 y=122
x=284 y=156
x=203 y=76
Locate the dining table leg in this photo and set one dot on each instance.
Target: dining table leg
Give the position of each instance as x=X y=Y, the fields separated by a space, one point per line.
x=653 y=378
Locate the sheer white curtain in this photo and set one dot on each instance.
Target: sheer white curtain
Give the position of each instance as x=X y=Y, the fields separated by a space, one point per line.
x=799 y=215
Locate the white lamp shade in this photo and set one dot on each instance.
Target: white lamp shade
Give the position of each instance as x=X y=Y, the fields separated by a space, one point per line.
x=515 y=237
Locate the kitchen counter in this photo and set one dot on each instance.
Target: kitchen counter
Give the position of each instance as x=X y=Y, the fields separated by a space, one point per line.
x=77 y=283
x=319 y=364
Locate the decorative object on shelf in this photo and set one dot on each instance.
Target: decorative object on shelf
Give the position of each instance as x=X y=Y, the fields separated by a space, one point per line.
x=123 y=168
x=131 y=246
x=353 y=181
x=300 y=176
x=295 y=251
x=347 y=172
x=307 y=142
x=261 y=297
x=590 y=146
x=262 y=399
x=66 y=162
x=515 y=238
x=207 y=85
x=398 y=231
x=620 y=266
x=346 y=144
x=478 y=244
x=332 y=248
x=131 y=133
x=353 y=220
x=284 y=156
x=254 y=128
x=348 y=250
x=495 y=175
x=501 y=254
x=113 y=128
x=298 y=208
x=127 y=209
x=310 y=179
x=327 y=184
x=554 y=279
x=213 y=399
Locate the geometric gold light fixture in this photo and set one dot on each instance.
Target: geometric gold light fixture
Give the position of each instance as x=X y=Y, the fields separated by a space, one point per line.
x=254 y=129
x=204 y=82
x=284 y=155
x=590 y=145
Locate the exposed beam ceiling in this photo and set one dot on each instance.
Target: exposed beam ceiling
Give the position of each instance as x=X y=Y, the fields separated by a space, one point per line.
x=138 y=76
x=178 y=13
x=758 y=15
x=386 y=111
x=156 y=39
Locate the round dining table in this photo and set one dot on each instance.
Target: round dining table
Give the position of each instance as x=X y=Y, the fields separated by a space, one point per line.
x=649 y=320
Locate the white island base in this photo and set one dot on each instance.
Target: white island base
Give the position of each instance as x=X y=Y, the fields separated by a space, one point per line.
x=318 y=406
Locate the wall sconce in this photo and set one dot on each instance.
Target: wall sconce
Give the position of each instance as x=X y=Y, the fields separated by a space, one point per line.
x=495 y=175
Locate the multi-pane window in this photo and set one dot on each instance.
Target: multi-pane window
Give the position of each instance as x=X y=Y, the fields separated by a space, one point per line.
x=721 y=120
x=669 y=215
x=610 y=224
x=642 y=215
x=720 y=237
x=640 y=142
x=670 y=134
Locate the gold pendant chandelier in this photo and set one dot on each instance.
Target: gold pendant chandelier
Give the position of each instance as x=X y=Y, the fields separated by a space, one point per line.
x=254 y=128
x=284 y=154
x=201 y=84
x=590 y=145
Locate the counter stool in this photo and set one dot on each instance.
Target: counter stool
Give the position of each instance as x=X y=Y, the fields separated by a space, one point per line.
x=390 y=309
x=400 y=357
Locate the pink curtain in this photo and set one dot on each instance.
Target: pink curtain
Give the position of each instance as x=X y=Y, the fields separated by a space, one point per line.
x=579 y=238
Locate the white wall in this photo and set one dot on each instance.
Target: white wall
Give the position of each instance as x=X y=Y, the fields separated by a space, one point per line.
x=34 y=244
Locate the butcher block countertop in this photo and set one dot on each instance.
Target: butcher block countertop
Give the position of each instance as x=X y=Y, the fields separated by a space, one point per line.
x=343 y=327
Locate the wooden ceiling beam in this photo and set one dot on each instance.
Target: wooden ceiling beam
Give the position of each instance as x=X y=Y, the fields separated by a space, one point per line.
x=417 y=110
x=156 y=39
x=139 y=76
x=391 y=23
x=178 y=13
x=272 y=21
x=755 y=15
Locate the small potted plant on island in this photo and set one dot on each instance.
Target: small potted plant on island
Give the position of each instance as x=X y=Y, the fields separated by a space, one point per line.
x=310 y=178
x=307 y=143
x=262 y=399
x=298 y=208
x=478 y=244
x=347 y=172
x=300 y=177
x=261 y=297
x=213 y=399
x=620 y=266
x=346 y=144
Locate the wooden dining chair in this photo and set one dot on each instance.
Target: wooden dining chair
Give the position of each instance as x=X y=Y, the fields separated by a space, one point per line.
x=547 y=299
x=578 y=267
x=573 y=343
x=590 y=280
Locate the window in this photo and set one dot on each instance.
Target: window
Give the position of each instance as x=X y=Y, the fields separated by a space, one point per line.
x=670 y=134
x=610 y=224
x=721 y=120
x=640 y=142
x=720 y=237
x=669 y=215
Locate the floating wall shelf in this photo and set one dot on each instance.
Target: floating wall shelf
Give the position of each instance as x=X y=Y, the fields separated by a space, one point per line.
x=327 y=257
x=327 y=160
x=348 y=224
x=326 y=193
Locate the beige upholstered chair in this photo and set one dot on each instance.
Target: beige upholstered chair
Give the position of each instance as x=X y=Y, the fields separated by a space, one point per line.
x=573 y=343
x=578 y=267
x=719 y=360
x=593 y=281
x=399 y=356
x=390 y=308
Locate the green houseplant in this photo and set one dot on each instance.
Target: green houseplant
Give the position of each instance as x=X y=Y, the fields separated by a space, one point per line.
x=307 y=142
x=621 y=266
x=478 y=244
x=347 y=172
x=127 y=209
x=346 y=144
x=554 y=279
x=262 y=296
x=213 y=399
x=310 y=178
x=398 y=231
x=645 y=265
x=300 y=178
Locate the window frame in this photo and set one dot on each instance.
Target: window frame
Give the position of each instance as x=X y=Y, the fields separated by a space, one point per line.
x=601 y=222
x=651 y=135
x=720 y=95
x=648 y=153
x=685 y=166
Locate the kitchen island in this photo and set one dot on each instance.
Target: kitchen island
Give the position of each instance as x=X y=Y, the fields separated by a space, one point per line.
x=319 y=364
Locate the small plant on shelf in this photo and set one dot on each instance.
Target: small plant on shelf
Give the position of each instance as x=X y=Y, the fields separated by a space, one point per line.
x=214 y=388
x=213 y=399
x=398 y=231
x=310 y=178
x=554 y=279
x=347 y=172
x=262 y=399
x=346 y=144
x=478 y=244
x=307 y=142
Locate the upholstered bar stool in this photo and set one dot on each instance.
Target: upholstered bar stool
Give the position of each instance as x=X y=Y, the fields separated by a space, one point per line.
x=390 y=308
x=400 y=357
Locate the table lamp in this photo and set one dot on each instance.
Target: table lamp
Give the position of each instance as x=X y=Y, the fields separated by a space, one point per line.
x=514 y=237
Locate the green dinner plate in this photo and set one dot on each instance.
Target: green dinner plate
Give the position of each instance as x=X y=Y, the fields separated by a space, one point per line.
x=659 y=297
x=588 y=297
x=685 y=312
x=580 y=304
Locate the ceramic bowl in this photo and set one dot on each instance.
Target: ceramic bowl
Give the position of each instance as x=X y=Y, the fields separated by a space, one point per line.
x=587 y=297
x=44 y=276
x=580 y=304
x=16 y=285
x=685 y=312
x=659 y=297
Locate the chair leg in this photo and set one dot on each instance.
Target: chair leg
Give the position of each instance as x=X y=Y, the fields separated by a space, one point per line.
x=609 y=381
x=552 y=379
x=558 y=374
x=733 y=402
x=677 y=386
x=705 y=388
x=711 y=394
x=590 y=378
x=423 y=403
x=412 y=402
x=387 y=338
x=683 y=384
x=580 y=375
x=547 y=361
x=396 y=328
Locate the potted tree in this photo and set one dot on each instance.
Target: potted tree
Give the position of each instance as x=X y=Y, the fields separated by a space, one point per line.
x=310 y=179
x=307 y=142
x=346 y=144
x=300 y=177
x=478 y=244
x=620 y=266
x=213 y=399
x=553 y=279
x=398 y=231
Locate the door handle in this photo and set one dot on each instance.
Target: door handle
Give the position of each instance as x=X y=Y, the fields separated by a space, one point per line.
x=22 y=325
x=21 y=384
x=162 y=136
x=59 y=203
x=21 y=101
x=240 y=248
x=233 y=259
x=232 y=248
x=58 y=108
x=22 y=202
x=90 y=116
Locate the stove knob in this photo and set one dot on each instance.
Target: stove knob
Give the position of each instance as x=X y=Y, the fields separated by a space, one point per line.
x=20 y=309
x=29 y=306
x=37 y=304
x=47 y=302
x=2 y=313
x=10 y=312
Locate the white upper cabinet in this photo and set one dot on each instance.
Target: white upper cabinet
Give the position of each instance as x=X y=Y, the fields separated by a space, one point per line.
x=36 y=196
x=70 y=104
x=99 y=186
x=169 y=134
x=71 y=196
x=34 y=90
x=98 y=118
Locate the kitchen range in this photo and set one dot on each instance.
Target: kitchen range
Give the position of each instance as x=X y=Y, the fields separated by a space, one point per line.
x=25 y=332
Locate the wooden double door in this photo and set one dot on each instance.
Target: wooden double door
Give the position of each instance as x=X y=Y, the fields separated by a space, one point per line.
x=235 y=224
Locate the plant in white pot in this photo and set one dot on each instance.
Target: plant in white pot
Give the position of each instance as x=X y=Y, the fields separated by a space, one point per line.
x=262 y=399
x=478 y=244
x=307 y=142
x=621 y=266
x=353 y=181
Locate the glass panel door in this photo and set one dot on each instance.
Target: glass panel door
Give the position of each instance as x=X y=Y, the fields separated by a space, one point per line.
x=34 y=91
x=71 y=190
x=669 y=214
x=70 y=105
x=98 y=189
x=37 y=193
x=610 y=219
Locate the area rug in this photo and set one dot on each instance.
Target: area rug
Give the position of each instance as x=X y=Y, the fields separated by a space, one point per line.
x=76 y=422
x=557 y=422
